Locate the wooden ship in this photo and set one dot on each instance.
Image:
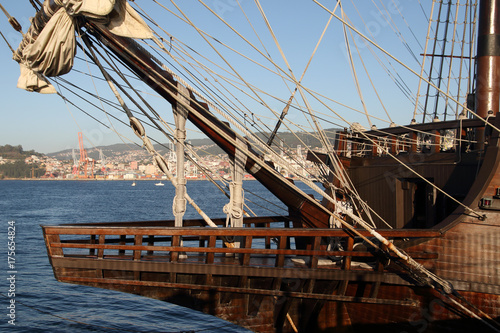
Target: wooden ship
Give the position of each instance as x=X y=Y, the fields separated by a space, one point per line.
x=430 y=263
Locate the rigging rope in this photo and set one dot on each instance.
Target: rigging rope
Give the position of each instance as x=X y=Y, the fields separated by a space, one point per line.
x=231 y=120
x=323 y=139
x=13 y=22
x=7 y=42
x=351 y=62
x=247 y=208
x=240 y=127
x=141 y=133
x=375 y=144
x=399 y=82
x=444 y=285
x=248 y=85
x=186 y=146
x=192 y=160
x=405 y=66
x=309 y=91
x=353 y=72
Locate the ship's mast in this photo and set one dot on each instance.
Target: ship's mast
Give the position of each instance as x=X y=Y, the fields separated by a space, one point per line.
x=488 y=59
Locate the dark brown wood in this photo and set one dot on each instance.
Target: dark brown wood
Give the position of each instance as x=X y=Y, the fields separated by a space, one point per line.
x=245 y=291
x=93 y=239
x=53 y=251
x=123 y=239
x=346 y=265
x=488 y=59
x=256 y=232
x=365 y=286
x=151 y=242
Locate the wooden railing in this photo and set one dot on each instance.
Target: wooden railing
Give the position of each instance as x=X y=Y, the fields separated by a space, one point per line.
x=449 y=136
x=90 y=254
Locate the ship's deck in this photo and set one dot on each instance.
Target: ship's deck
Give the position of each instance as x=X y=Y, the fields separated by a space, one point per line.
x=227 y=259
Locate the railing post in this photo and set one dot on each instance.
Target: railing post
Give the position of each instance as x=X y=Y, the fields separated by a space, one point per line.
x=376 y=143
x=137 y=242
x=92 y=241
x=437 y=142
x=347 y=261
x=280 y=258
x=280 y=261
x=137 y=255
x=346 y=265
x=341 y=146
x=316 y=247
x=100 y=254
x=212 y=240
x=379 y=267
x=247 y=244
x=413 y=142
x=123 y=241
x=174 y=255
x=313 y=263
x=393 y=142
x=268 y=238
x=151 y=242
x=100 y=251
x=56 y=251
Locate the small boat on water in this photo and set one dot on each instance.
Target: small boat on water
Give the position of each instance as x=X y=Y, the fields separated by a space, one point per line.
x=403 y=236
x=159 y=184
x=133 y=184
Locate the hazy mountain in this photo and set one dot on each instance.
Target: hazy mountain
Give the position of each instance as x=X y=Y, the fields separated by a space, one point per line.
x=202 y=146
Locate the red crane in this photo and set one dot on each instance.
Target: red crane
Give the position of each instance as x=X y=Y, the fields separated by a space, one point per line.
x=85 y=161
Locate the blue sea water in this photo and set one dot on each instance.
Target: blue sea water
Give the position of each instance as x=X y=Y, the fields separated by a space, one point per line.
x=44 y=305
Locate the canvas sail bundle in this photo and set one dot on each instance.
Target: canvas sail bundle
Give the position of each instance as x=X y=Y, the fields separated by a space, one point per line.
x=50 y=52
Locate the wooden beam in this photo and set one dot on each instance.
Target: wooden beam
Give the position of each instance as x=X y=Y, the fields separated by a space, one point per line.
x=276 y=293
x=229 y=270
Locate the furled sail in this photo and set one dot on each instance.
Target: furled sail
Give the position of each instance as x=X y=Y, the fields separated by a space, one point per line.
x=50 y=52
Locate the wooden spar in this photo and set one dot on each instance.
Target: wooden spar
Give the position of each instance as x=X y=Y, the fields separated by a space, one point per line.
x=139 y=61
x=488 y=58
x=488 y=64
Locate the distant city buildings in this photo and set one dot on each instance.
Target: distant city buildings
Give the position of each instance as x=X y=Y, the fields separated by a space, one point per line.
x=136 y=165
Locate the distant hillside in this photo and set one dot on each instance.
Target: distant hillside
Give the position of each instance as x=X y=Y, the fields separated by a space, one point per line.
x=111 y=150
x=292 y=140
x=13 y=165
x=16 y=152
x=202 y=146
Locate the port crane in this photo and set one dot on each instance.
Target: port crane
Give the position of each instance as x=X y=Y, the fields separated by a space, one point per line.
x=86 y=164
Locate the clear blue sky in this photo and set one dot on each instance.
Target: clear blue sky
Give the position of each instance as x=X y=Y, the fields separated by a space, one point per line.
x=44 y=123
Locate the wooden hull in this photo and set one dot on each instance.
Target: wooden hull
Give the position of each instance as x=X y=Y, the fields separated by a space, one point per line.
x=265 y=313
x=271 y=293
x=269 y=285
